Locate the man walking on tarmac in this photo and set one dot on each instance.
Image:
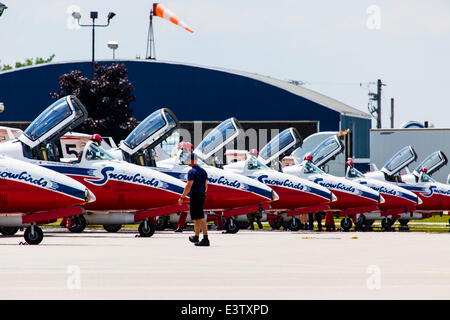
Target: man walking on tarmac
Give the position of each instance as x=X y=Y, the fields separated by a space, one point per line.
x=196 y=187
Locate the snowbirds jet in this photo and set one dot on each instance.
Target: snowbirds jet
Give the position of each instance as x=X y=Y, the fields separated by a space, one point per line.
x=435 y=196
x=126 y=192
x=297 y=195
x=352 y=197
x=32 y=195
x=229 y=194
x=398 y=201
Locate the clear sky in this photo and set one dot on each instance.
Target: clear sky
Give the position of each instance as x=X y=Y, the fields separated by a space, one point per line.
x=330 y=45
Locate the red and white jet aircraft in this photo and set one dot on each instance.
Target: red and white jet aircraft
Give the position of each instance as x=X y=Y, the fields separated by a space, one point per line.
x=396 y=199
x=32 y=195
x=435 y=196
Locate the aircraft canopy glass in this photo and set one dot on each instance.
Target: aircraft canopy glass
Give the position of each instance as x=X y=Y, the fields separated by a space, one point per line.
x=182 y=157
x=277 y=144
x=309 y=168
x=352 y=172
x=425 y=178
x=254 y=164
x=48 y=119
x=431 y=162
x=149 y=126
x=400 y=160
x=94 y=152
x=326 y=149
x=217 y=137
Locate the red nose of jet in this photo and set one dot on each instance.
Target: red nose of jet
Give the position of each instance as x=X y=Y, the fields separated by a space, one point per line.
x=295 y=192
x=353 y=195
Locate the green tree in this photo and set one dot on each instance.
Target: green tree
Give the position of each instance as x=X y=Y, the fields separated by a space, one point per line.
x=28 y=62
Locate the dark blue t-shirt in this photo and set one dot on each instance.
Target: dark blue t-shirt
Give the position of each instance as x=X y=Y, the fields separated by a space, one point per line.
x=199 y=176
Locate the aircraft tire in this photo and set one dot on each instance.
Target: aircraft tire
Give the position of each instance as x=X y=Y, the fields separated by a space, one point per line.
x=360 y=222
x=162 y=223
x=403 y=222
x=368 y=223
x=112 y=227
x=8 y=231
x=35 y=237
x=79 y=224
x=231 y=227
x=146 y=229
x=387 y=223
x=346 y=224
x=293 y=224
x=276 y=224
x=243 y=224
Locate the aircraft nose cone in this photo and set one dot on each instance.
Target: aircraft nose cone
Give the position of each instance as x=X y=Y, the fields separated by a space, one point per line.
x=333 y=197
x=89 y=196
x=275 y=196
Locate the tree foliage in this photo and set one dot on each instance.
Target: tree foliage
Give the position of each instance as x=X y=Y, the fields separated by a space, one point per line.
x=107 y=99
x=28 y=62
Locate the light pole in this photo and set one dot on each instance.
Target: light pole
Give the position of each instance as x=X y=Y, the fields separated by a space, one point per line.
x=113 y=45
x=2 y=8
x=94 y=15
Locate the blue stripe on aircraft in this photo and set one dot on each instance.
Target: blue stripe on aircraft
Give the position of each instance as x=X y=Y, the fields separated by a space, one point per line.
x=408 y=196
x=414 y=188
x=90 y=173
x=173 y=187
x=320 y=193
x=262 y=192
x=74 y=192
x=71 y=170
x=370 y=195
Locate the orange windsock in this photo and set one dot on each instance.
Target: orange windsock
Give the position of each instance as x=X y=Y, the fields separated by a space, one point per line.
x=161 y=11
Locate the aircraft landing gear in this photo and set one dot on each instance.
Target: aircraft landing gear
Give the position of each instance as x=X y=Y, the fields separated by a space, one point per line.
x=162 y=223
x=368 y=223
x=231 y=226
x=403 y=222
x=146 y=229
x=112 y=227
x=387 y=223
x=243 y=224
x=293 y=224
x=346 y=224
x=8 y=231
x=359 y=223
x=277 y=223
x=33 y=235
x=79 y=224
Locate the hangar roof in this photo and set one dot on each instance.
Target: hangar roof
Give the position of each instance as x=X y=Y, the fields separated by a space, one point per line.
x=292 y=88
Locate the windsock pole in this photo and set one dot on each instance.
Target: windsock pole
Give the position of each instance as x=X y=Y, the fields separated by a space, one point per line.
x=159 y=10
x=150 y=52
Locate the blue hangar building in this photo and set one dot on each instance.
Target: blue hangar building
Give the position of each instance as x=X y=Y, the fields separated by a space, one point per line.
x=196 y=93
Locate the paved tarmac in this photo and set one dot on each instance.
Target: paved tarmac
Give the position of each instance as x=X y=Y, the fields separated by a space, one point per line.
x=246 y=265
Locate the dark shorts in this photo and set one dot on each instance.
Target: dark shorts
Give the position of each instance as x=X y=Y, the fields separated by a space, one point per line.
x=197 y=201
